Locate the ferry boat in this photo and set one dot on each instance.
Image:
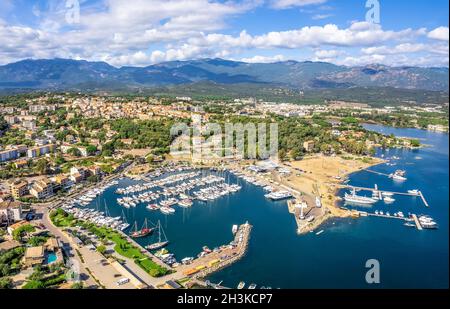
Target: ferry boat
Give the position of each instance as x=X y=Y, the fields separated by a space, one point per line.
x=241 y=285
x=353 y=198
x=160 y=243
x=144 y=231
x=279 y=195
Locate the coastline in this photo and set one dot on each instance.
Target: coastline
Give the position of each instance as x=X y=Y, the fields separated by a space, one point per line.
x=326 y=188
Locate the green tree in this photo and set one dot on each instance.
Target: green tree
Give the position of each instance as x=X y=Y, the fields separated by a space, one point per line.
x=5 y=283
x=101 y=249
x=42 y=166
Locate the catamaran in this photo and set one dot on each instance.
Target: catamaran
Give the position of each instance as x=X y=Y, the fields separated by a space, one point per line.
x=144 y=231
x=160 y=243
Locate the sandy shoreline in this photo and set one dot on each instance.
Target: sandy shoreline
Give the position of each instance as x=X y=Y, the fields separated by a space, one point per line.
x=319 y=176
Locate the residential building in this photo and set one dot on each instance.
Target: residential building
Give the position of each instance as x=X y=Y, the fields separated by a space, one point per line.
x=62 y=182
x=42 y=189
x=94 y=170
x=19 y=188
x=78 y=174
x=10 y=154
x=34 y=256
x=11 y=119
x=65 y=149
x=40 y=150
x=10 y=211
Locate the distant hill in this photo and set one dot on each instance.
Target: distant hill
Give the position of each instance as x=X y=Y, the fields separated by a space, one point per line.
x=64 y=74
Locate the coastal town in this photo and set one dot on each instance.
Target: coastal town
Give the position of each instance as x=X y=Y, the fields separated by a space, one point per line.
x=60 y=152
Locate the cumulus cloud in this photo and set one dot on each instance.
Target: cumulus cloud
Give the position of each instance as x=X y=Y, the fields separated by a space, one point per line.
x=440 y=33
x=407 y=48
x=152 y=31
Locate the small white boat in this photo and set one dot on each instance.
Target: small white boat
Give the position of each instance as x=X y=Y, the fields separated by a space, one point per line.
x=167 y=210
x=414 y=191
x=388 y=200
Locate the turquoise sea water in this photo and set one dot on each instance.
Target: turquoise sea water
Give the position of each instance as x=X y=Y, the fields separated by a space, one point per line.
x=280 y=258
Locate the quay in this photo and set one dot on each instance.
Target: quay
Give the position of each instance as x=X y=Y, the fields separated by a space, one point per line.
x=203 y=266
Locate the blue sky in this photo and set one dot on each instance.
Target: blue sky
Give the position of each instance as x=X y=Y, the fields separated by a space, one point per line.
x=143 y=32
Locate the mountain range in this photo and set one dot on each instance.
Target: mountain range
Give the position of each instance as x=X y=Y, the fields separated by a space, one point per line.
x=66 y=74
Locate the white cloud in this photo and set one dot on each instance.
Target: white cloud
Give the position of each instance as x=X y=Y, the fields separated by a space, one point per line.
x=358 y=34
x=286 y=4
x=440 y=33
x=264 y=59
x=321 y=16
x=151 y=31
x=327 y=54
x=407 y=48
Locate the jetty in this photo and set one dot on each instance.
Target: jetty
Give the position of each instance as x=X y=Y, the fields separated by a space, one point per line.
x=374 y=172
x=419 y=194
x=423 y=199
x=417 y=222
x=413 y=217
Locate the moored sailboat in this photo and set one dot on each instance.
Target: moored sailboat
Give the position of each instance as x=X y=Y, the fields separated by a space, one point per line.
x=144 y=231
x=160 y=243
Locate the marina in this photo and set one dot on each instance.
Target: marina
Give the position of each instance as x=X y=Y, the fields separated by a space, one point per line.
x=197 y=225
